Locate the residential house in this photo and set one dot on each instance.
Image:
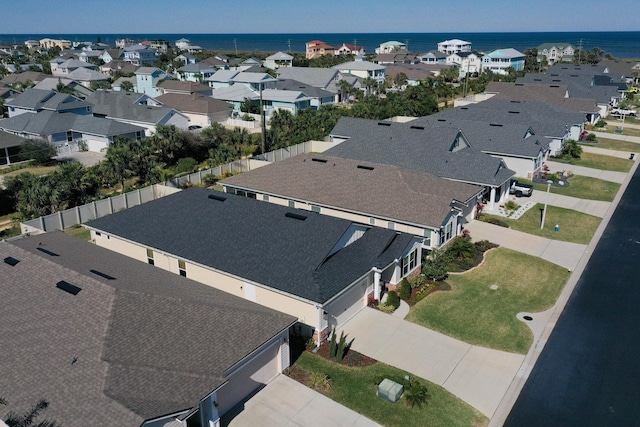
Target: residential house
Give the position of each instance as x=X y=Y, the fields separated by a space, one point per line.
x=440 y=151
x=220 y=62
x=499 y=60
x=251 y=65
x=390 y=47
x=323 y=78
x=349 y=49
x=35 y=100
x=87 y=77
x=140 y=55
x=67 y=131
x=431 y=208
x=317 y=48
x=254 y=81
x=130 y=344
x=117 y=65
x=330 y=268
x=397 y=57
x=198 y=72
x=202 y=111
x=363 y=69
x=182 y=43
x=187 y=58
x=32 y=44
x=49 y=43
x=10 y=148
x=277 y=60
x=415 y=73
x=184 y=87
x=91 y=56
x=467 y=62
x=148 y=79
x=53 y=83
x=318 y=97
x=449 y=47
x=136 y=109
x=556 y=52
x=222 y=78
x=290 y=100
x=433 y=57
x=63 y=69
x=236 y=95
x=109 y=55
x=22 y=78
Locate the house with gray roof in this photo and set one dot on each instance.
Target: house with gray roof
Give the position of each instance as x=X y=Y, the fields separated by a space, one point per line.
x=201 y=110
x=317 y=268
x=363 y=69
x=34 y=100
x=10 y=148
x=222 y=78
x=52 y=83
x=323 y=78
x=136 y=109
x=431 y=208
x=112 y=340
x=445 y=152
x=63 y=69
x=196 y=72
x=278 y=60
x=68 y=131
x=319 y=97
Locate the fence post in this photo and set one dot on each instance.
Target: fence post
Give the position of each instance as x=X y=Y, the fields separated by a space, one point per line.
x=60 y=221
x=78 y=220
x=42 y=227
x=110 y=205
x=95 y=209
x=126 y=204
x=139 y=197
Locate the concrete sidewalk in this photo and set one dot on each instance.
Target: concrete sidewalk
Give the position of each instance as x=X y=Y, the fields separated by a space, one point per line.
x=618 y=136
x=478 y=375
x=581 y=170
x=608 y=152
x=591 y=207
x=564 y=254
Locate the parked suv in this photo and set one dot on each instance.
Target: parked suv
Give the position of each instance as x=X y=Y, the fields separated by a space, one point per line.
x=520 y=189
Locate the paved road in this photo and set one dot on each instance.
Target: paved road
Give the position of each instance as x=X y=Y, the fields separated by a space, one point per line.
x=587 y=374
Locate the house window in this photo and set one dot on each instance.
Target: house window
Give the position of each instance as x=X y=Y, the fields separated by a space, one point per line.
x=427 y=237
x=251 y=195
x=265 y=197
x=69 y=136
x=150 y=257
x=409 y=262
x=292 y=204
x=182 y=268
x=372 y=221
x=315 y=208
x=391 y=225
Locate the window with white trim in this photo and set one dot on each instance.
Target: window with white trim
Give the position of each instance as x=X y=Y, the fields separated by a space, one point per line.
x=409 y=262
x=182 y=267
x=150 y=259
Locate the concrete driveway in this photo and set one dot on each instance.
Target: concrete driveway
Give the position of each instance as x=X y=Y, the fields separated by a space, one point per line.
x=286 y=402
x=478 y=375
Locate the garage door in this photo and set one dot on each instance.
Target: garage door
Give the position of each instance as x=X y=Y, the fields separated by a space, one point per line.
x=96 y=145
x=258 y=372
x=347 y=305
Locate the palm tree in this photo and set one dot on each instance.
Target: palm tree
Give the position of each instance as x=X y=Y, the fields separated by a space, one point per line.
x=27 y=419
x=345 y=89
x=369 y=83
x=119 y=159
x=126 y=86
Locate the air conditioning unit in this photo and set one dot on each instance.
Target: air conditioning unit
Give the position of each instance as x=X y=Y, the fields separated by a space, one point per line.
x=390 y=390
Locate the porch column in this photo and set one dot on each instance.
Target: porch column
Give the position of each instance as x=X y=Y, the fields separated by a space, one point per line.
x=376 y=283
x=492 y=195
x=6 y=154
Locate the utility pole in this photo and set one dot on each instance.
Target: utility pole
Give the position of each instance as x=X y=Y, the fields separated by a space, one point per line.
x=264 y=125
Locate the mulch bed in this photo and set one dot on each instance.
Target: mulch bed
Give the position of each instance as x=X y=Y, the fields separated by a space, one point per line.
x=352 y=358
x=439 y=286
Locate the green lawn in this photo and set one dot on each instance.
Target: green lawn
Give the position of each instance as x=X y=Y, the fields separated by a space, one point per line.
x=474 y=313
x=36 y=170
x=576 y=227
x=355 y=388
x=614 y=144
x=611 y=128
x=599 y=161
x=79 y=231
x=582 y=187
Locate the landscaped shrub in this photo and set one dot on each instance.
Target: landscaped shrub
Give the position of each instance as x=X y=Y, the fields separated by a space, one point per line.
x=600 y=124
x=493 y=220
x=393 y=300
x=342 y=347
x=332 y=345
x=510 y=205
x=415 y=394
x=591 y=137
x=210 y=179
x=435 y=267
x=319 y=381
x=184 y=165
x=405 y=290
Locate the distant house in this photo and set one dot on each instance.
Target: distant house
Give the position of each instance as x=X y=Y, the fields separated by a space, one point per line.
x=35 y=100
x=499 y=60
x=136 y=109
x=182 y=43
x=433 y=57
x=222 y=78
x=278 y=60
x=369 y=193
x=390 y=47
x=147 y=80
x=363 y=69
x=117 y=65
x=449 y=47
x=349 y=49
x=86 y=77
x=201 y=110
x=318 y=97
x=52 y=83
x=140 y=55
x=317 y=48
x=184 y=87
x=109 y=55
x=397 y=57
x=147 y=347
x=331 y=267
x=467 y=62
x=63 y=69
x=255 y=81
x=195 y=72
x=49 y=43
x=556 y=52
x=187 y=58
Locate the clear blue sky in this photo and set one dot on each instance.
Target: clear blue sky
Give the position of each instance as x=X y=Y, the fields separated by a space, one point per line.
x=324 y=16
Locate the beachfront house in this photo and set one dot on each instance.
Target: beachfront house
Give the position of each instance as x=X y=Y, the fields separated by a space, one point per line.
x=500 y=60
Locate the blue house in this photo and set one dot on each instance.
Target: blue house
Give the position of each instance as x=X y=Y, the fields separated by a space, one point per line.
x=500 y=59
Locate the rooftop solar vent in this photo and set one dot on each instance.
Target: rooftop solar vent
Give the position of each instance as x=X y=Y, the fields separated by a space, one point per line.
x=11 y=261
x=442 y=120
x=216 y=197
x=464 y=108
x=48 y=252
x=369 y=168
x=101 y=274
x=417 y=127
x=554 y=86
x=574 y=75
x=384 y=124
x=315 y=159
x=68 y=287
x=515 y=101
x=514 y=112
x=498 y=125
x=295 y=216
x=557 y=80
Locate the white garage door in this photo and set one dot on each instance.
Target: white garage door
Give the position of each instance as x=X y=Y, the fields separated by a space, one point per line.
x=96 y=145
x=258 y=372
x=347 y=305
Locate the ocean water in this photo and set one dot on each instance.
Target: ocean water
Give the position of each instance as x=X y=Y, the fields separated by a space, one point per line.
x=619 y=44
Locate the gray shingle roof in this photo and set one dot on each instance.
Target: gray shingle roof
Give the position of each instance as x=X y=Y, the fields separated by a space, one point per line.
x=255 y=240
x=384 y=191
x=410 y=146
x=323 y=78
x=123 y=105
x=40 y=99
x=146 y=344
x=580 y=85
x=311 y=91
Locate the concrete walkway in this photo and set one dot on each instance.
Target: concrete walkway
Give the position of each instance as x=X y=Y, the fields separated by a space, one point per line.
x=564 y=254
x=478 y=375
x=286 y=402
x=581 y=170
x=608 y=152
x=618 y=136
x=591 y=207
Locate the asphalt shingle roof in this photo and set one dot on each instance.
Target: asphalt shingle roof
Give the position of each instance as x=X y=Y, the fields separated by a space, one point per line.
x=414 y=147
x=385 y=191
x=255 y=240
x=146 y=344
x=123 y=105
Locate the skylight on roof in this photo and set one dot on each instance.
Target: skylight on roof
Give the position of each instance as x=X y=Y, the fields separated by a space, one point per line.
x=68 y=287
x=11 y=261
x=295 y=216
x=216 y=197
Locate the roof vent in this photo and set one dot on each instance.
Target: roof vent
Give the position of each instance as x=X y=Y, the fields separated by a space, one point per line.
x=315 y=159
x=555 y=75
x=384 y=124
x=68 y=287
x=101 y=274
x=498 y=125
x=48 y=252
x=417 y=127
x=464 y=108
x=11 y=261
x=519 y=84
x=216 y=197
x=295 y=216
x=554 y=86
x=369 y=168
x=514 y=112
x=537 y=80
x=515 y=101
x=442 y=120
